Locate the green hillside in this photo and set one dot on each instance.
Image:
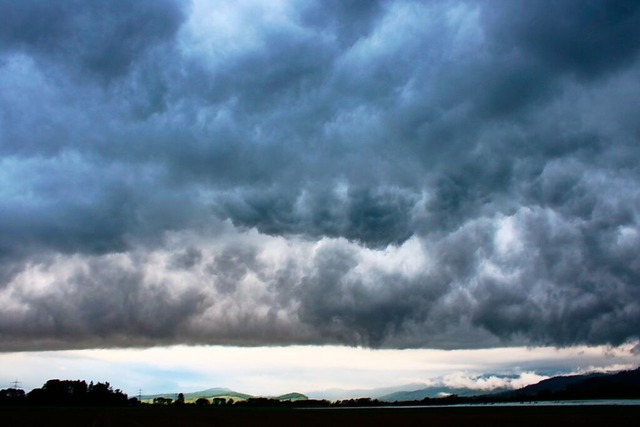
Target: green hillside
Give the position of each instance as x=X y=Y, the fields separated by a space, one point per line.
x=209 y=393
x=220 y=393
x=291 y=397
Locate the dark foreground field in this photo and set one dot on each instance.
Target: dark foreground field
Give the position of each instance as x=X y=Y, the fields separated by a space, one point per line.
x=578 y=416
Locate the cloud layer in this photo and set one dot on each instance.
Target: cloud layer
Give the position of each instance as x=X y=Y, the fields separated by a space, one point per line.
x=389 y=174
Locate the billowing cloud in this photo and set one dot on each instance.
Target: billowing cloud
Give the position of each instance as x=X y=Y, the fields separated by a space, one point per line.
x=389 y=174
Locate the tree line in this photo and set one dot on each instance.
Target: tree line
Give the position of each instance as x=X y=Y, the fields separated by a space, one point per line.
x=66 y=393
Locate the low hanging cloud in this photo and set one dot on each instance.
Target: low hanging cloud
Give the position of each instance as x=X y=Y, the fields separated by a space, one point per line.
x=490 y=382
x=387 y=174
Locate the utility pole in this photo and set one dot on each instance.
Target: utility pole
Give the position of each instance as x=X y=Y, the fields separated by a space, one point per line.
x=15 y=384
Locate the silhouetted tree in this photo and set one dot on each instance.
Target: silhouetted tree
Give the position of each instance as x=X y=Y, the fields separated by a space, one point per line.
x=179 y=400
x=202 y=401
x=162 y=401
x=74 y=393
x=103 y=394
x=12 y=396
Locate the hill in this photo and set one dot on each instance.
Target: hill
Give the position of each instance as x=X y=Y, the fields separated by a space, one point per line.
x=291 y=397
x=427 y=392
x=210 y=393
x=619 y=385
x=219 y=392
x=374 y=393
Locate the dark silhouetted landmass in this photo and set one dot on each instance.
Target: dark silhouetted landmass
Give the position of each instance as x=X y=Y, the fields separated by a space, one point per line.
x=66 y=393
x=620 y=385
x=593 y=386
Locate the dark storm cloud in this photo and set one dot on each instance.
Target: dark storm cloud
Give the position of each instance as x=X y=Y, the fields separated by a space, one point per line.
x=103 y=304
x=101 y=38
x=447 y=174
x=376 y=217
x=348 y=20
x=571 y=291
x=584 y=38
x=72 y=209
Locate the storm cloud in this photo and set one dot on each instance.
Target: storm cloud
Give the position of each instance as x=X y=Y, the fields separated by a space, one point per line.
x=390 y=174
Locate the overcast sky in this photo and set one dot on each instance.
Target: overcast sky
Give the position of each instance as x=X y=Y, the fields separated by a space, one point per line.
x=445 y=175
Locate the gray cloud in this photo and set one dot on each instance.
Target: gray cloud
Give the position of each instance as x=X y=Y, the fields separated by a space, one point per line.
x=102 y=39
x=494 y=142
x=587 y=39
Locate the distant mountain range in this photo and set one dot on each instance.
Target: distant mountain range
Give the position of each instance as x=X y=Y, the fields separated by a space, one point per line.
x=430 y=392
x=375 y=393
x=406 y=392
x=619 y=385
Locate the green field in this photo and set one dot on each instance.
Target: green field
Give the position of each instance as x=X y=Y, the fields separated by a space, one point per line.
x=155 y=416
